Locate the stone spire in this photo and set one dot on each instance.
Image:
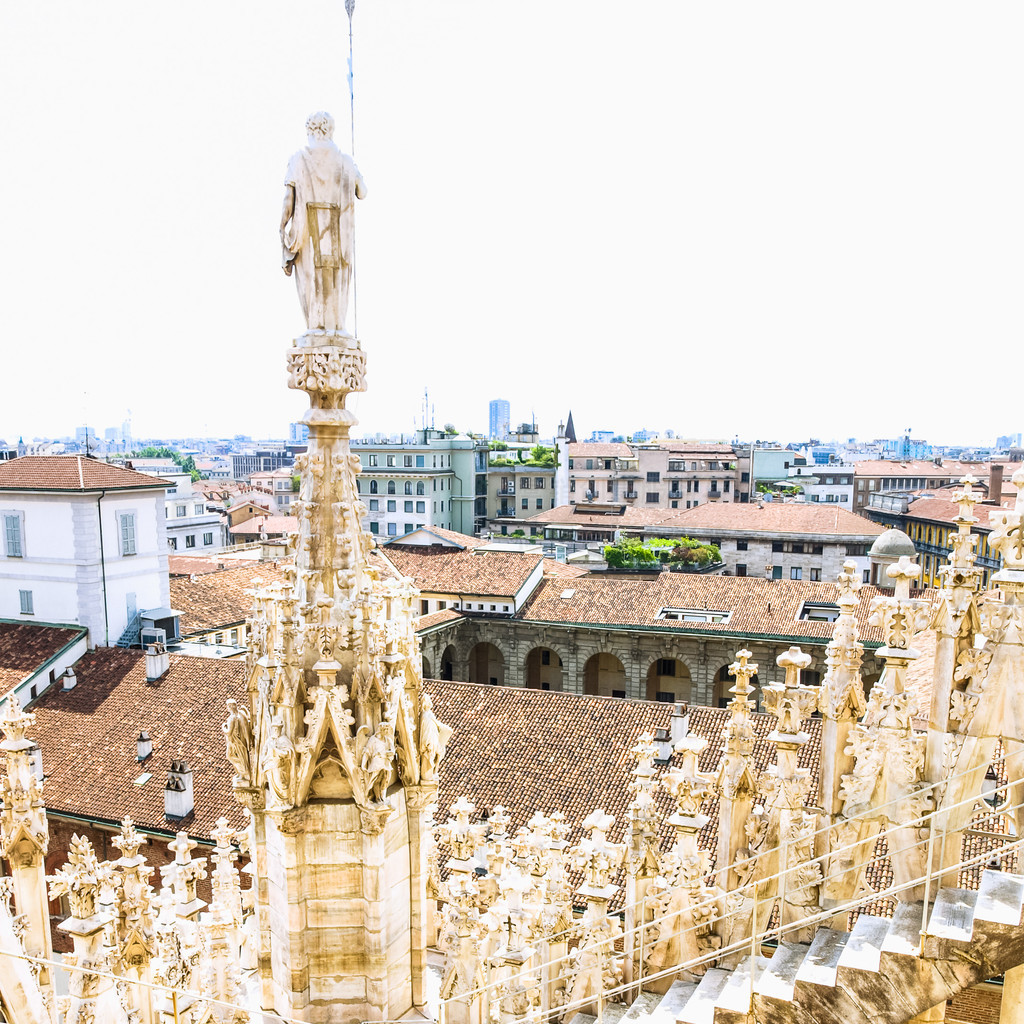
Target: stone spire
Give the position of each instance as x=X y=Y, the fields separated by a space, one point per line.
x=339 y=747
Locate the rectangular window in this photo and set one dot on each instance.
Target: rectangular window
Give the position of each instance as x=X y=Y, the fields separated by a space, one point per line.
x=13 y=547
x=392 y=506
x=653 y=478
x=540 y=503
x=391 y=460
x=374 y=527
x=525 y=483
x=777 y=546
x=392 y=529
x=725 y=486
x=540 y=483
x=652 y=497
x=421 y=506
x=744 y=478
x=666 y=666
x=408 y=461
x=797 y=549
x=180 y=510
x=796 y=573
x=741 y=570
x=696 y=487
x=127 y=523
x=207 y=539
x=190 y=540
x=173 y=541
x=776 y=572
x=420 y=464
x=815 y=575
x=374 y=505
x=408 y=506
x=741 y=545
x=198 y=509
x=409 y=527
x=817 y=549
x=590 y=463
x=371 y=460
x=525 y=503
x=26 y=602
x=424 y=607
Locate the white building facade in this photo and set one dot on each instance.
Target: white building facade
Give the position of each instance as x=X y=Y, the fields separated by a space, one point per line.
x=83 y=542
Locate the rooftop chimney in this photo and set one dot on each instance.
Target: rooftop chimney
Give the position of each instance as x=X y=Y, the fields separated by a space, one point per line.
x=70 y=680
x=995 y=483
x=158 y=661
x=35 y=756
x=178 y=799
x=143 y=746
x=679 y=723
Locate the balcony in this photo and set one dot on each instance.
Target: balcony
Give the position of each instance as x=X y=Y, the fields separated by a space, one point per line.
x=675 y=494
x=631 y=495
x=714 y=493
x=509 y=489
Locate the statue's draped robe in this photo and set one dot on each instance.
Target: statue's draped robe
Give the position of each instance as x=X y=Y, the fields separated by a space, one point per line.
x=321 y=173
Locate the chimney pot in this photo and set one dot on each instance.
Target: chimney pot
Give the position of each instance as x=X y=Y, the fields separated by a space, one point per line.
x=143 y=746
x=158 y=661
x=70 y=679
x=179 y=801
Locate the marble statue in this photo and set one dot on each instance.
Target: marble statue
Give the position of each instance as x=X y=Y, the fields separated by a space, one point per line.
x=238 y=739
x=318 y=225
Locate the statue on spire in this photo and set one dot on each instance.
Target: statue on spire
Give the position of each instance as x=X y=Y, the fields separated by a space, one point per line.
x=318 y=225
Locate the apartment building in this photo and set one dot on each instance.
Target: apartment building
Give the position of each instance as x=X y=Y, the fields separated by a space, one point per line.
x=515 y=492
x=431 y=480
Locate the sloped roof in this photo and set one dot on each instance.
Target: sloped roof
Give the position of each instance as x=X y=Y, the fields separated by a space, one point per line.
x=26 y=646
x=214 y=600
x=757 y=607
x=592 y=514
x=940 y=510
x=915 y=467
x=271 y=526
x=87 y=736
x=802 y=517
x=461 y=539
x=600 y=450
x=72 y=473
x=446 y=571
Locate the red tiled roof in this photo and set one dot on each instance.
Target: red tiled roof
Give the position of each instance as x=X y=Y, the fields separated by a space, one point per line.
x=916 y=467
x=802 y=517
x=72 y=473
x=598 y=450
x=591 y=514
x=214 y=600
x=27 y=646
x=940 y=510
x=271 y=526
x=444 y=571
x=87 y=736
x=562 y=570
x=758 y=607
x=188 y=565
x=425 y=622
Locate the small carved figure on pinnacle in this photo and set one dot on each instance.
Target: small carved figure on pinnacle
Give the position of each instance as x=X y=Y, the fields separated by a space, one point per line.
x=318 y=225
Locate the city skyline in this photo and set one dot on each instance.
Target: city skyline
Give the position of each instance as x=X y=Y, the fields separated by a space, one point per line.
x=686 y=216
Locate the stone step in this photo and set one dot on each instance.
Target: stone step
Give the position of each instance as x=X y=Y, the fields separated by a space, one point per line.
x=863 y=951
x=612 y=1012
x=822 y=960
x=735 y=1002
x=583 y=1018
x=952 y=916
x=700 y=1007
x=904 y=936
x=775 y=986
x=641 y=1007
x=1000 y=898
x=671 y=1003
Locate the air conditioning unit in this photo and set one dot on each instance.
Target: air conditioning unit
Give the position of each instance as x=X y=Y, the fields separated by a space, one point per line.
x=152 y=635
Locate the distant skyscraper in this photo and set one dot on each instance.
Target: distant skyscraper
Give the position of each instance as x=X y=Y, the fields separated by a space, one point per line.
x=501 y=418
x=298 y=433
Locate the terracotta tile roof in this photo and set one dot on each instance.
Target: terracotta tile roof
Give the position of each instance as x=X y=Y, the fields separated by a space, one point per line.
x=214 y=600
x=597 y=450
x=27 y=646
x=916 y=467
x=187 y=565
x=941 y=510
x=444 y=571
x=255 y=500
x=407 y=539
x=457 y=538
x=695 y=447
x=87 y=736
x=758 y=607
x=71 y=473
x=801 y=517
x=425 y=622
x=532 y=750
x=562 y=570
x=592 y=514
x=272 y=526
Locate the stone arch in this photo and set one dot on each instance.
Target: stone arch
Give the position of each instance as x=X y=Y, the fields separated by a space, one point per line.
x=669 y=680
x=543 y=669
x=448 y=657
x=724 y=683
x=604 y=675
x=427 y=674
x=486 y=663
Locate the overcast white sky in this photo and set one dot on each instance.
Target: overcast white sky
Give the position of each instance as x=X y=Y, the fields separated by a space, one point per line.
x=765 y=219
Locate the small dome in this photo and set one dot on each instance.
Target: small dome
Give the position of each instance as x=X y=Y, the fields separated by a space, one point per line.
x=892 y=544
